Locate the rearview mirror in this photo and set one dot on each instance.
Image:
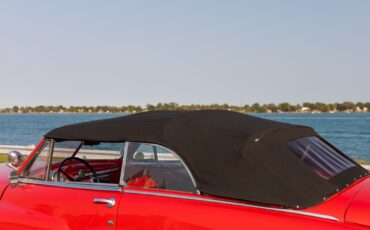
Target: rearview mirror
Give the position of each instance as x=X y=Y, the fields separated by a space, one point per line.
x=15 y=159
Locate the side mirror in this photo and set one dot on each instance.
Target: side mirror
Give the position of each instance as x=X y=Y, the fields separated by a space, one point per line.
x=15 y=159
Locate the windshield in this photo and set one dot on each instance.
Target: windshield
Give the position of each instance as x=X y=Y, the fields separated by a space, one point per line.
x=323 y=159
x=87 y=150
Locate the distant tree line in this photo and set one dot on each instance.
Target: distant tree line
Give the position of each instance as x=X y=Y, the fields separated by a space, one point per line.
x=285 y=107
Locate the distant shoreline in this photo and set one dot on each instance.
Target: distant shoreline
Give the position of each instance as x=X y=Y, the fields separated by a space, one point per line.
x=306 y=107
x=127 y=113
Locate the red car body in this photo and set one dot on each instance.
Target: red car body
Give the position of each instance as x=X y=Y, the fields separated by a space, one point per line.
x=42 y=204
x=36 y=206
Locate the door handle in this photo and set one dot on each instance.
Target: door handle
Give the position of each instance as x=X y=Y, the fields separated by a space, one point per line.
x=109 y=202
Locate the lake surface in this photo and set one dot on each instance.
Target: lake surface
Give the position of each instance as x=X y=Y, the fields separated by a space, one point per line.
x=349 y=132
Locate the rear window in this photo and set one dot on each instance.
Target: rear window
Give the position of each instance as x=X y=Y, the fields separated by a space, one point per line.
x=324 y=160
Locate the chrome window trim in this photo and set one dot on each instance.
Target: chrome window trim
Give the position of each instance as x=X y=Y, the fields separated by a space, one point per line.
x=183 y=163
x=50 y=159
x=123 y=167
x=31 y=161
x=79 y=185
x=169 y=150
x=184 y=197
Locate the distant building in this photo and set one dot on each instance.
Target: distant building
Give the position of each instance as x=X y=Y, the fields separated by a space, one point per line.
x=366 y=109
x=358 y=109
x=304 y=109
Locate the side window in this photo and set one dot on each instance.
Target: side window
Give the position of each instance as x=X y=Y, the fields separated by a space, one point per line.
x=152 y=167
x=86 y=162
x=38 y=167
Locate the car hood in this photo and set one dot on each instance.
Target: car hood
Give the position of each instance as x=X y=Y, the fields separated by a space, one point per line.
x=4 y=177
x=358 y=211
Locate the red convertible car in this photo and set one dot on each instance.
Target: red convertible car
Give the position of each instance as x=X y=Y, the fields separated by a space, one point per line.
x=184 y=170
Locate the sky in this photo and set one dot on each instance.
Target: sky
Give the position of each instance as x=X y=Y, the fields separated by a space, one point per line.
x=201 y=52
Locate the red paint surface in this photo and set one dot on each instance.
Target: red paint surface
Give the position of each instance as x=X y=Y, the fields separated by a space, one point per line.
x=358 y=210
x=30 y=206
x=153 y=212
x=337 y=205
x=27 y=206
x=4 y=177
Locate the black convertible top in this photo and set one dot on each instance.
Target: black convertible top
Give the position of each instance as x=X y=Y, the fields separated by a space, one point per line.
x=230 y=154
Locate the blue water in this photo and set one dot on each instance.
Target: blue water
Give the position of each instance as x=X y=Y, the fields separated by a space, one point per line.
x=349 y=132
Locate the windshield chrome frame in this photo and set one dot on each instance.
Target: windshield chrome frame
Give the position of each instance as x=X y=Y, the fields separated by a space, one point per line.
x=45 y=180
x=31 y=161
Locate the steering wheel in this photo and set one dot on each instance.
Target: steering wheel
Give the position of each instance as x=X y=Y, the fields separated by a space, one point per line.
x=96 y=179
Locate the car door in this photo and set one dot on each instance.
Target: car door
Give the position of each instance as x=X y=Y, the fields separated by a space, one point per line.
x=152 y=173
x=35 y=203
x=37 y=206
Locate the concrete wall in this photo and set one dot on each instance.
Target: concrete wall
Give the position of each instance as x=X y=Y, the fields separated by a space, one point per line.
x=90 y=154
x=25 y=150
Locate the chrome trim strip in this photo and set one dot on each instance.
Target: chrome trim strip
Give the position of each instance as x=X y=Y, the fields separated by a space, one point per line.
x=50 y=159
x=183 y=163
x=79 y=185
x=123 y=167
x=32 y=159
x=311 y=214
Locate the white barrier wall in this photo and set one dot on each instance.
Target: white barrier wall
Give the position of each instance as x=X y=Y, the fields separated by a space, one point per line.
x=25 y=150
x=90 y=154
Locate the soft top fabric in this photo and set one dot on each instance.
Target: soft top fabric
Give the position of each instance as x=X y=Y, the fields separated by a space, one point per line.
x=231 y=155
